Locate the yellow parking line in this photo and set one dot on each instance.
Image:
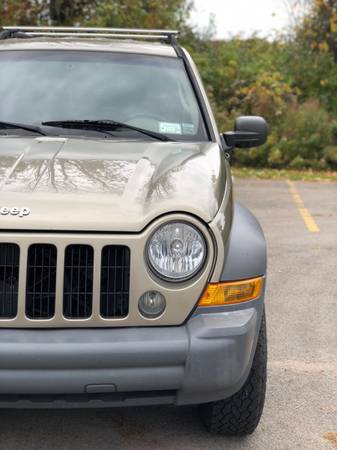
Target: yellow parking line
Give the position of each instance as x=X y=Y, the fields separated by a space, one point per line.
x=306 y=216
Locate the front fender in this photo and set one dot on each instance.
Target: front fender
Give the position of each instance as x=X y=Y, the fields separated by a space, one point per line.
x=246 y=250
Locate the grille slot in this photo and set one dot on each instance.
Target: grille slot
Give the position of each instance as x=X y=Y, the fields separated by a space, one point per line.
x=115 y=280
x=9 y=280
x=41 y=281
x=78 y=281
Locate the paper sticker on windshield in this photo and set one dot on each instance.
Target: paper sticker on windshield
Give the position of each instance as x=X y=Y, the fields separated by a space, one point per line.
x=188 y=128
x=170 y=128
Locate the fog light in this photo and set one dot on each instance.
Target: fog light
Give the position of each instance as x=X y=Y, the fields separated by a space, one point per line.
x=152 y=304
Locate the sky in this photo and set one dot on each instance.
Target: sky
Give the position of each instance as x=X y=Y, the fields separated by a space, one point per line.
x=242 y=16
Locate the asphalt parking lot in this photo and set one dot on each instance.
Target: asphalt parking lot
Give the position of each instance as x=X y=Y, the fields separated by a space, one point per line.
x=301 y=406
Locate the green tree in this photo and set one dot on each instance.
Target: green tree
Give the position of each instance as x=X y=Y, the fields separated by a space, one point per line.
x=319 y=27
x=69 y=12
x=143 y=13
x=19 y=12
x=109 y=13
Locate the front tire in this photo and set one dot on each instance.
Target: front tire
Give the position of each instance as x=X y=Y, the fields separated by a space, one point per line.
x=240 y=414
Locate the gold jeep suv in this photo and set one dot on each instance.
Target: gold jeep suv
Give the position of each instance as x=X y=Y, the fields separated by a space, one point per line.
x=128 y=276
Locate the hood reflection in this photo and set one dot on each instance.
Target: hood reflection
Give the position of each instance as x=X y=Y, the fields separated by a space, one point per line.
x=139 y=178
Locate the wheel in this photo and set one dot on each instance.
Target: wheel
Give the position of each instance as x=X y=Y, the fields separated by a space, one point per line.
x=240 y=414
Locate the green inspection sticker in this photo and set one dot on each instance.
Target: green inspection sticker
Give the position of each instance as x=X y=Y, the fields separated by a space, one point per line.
x=170 y=128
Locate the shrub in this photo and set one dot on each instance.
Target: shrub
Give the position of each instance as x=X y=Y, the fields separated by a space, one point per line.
x=304 y=133
x=330 y=156
x=300 y=140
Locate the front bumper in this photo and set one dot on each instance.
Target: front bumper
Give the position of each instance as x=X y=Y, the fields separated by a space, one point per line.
x=206 y=359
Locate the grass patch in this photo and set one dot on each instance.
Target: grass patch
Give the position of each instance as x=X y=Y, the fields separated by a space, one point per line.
x=284 y=174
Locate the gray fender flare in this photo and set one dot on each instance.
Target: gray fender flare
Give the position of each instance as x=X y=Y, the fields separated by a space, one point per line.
x=246 y=250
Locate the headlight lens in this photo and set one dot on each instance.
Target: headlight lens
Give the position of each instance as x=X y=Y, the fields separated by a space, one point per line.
x=176 y=251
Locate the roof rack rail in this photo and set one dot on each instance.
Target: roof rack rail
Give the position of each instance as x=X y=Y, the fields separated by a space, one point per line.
x=121 y=33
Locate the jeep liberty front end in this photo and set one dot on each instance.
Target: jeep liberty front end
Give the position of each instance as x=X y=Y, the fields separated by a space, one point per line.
x=128 y=275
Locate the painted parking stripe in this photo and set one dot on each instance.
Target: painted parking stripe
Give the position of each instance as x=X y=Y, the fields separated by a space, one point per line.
x=304 y=212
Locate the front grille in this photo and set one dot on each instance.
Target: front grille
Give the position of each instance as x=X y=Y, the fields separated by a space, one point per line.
x=78 y=281
x=9 y=280
x=41 y=281
x=64 y=283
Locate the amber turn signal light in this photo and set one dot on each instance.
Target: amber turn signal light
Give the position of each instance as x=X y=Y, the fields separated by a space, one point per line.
x=231 y=292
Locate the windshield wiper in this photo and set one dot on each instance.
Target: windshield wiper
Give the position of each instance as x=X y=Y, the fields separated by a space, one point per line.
x=103 y=125
x=22 y=126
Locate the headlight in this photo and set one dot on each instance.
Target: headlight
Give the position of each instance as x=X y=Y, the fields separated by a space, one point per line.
x=176 y=251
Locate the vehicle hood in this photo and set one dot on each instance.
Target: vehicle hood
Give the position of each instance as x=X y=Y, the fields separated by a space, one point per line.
x=106 y=185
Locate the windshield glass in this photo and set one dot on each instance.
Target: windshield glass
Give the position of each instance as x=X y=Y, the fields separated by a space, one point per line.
x=149 y=92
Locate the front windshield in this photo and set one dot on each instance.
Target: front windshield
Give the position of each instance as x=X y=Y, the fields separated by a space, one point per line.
x=149 y=92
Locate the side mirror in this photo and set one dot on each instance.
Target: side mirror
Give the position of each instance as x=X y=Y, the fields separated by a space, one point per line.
x=249 y=131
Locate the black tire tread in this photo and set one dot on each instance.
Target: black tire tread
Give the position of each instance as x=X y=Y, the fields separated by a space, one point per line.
x=239 y=415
